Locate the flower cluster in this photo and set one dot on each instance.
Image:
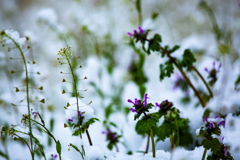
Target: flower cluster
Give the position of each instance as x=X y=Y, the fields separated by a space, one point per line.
x=165 y=105
x=213 y=73
x=211 y=123
x=138 y=103
x=113 y=138
x=136 y=33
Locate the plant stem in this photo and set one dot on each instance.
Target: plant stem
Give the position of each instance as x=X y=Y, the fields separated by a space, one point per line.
x=184 y=76
x=204 y=154
x=148 y=139
x=199 y=74
x=89 y=138
x=117 y=148
x=76 y=92
x=153 y=146
x=139 y=10
x=26 y=144
x=172 y=144
x=27 y=90
x=49 y=133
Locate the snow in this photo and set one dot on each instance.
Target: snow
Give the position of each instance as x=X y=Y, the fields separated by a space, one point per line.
x=48 y=15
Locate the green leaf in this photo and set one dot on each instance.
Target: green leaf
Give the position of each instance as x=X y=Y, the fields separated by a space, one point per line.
x=75 y=147
x=3 y=155
x=41 y=148
x=110 y=146
x=157 y=38
x=176 y=47
x=206 y=113
x=76 y=133
x=166 y=70
x=113 y=124
x=90 y=121
x=58 y=147
x=213 y=144
x=145 y=125
x=165 y=130
x=237 y=81
x=42 y=121
x=188 y=58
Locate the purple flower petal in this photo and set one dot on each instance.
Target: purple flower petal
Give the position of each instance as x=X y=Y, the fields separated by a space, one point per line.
x=55 y=157
x=211 y=125
x=158 y=105
x=135 y=32
x=216 y=116
x=80 y=114
x=137 y=102
x=141 y=30
x=109 y=131
x=206 y=70
x=103 y=132
x=225 y=151
x=221 y=123
x=205 y=119
x=130 y=34
x=130 y=101
x=36 y=113
x=70 y=120
x=114 y=136
x=131 y=109
x=220 y=65
x=145 y=100
x=214 y=64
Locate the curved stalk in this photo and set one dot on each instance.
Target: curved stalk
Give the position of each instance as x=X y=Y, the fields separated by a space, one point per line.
x=184 y=76
x=199 y=74
x=25 y=143
x=27 y=90
x=148 y=139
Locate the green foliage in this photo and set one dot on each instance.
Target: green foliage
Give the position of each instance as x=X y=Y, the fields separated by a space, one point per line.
x=206 y=113
x=40 y=147
x=166 y=70
x=154 y=43
x=2 y=154
x=237 y=82
x=165 y=130
x=141 y=109
x=58 y=147
x=213 y=144
x=175 y=48
x=188 y=58
x=145 y=125
x=89 y=122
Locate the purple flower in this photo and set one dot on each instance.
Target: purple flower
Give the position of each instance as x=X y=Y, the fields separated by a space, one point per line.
x=145 y=100
x=214 y=68
x=141 y=30
x=80 y=114
x=135 y=32
x=225 y=151
x=133 y=110
x=114 y=136
x=103 y=132
x=70 y=120
x=55 y=157
x=216 y=116
x=205 y=119
x=136 y=102
x=211 y=125
x=158 y=105
x=35 y=113
x=221 y=123
x=130 y=34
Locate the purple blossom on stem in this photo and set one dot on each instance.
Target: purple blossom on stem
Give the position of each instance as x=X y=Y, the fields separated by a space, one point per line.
x=80 y=114
x=221 y=123
x=35 y=113
x=145 y=100
x=205 y=119
x=114 y=136
x=158 y=106
x=225 y=151
x=211 y=125
x=141 y=30
x=135 y=32
x=55 y=157
x=130 y=34
x=70 y=120
x=206 y=70
x=103 y=132
x=133 y=110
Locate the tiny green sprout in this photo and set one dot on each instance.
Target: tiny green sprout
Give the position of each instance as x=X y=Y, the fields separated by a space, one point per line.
x=12 y=71
x=90 y=102
x=63 y=92
x=28 y=47
x=13 y=104
x=40 y=88
x=11 y=58
x=80 y=66
x=65 y=125
x=33 y=62
x=63 y=80
x=38 y=73
x=42 y=101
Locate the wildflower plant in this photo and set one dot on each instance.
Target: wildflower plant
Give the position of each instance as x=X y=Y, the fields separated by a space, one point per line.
x=211 y=132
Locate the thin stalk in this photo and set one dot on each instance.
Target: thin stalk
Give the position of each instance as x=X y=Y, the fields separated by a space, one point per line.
x=172 y=144
x=153 y=145
x=184 y=76
x=116 y=148
x=139 y=10
x=27 y=90
x=26 y=144
x=50 y=134
x=75 y=87
x=146 y=151
x=204 y=154
x=89 y=138
x=199 y=74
